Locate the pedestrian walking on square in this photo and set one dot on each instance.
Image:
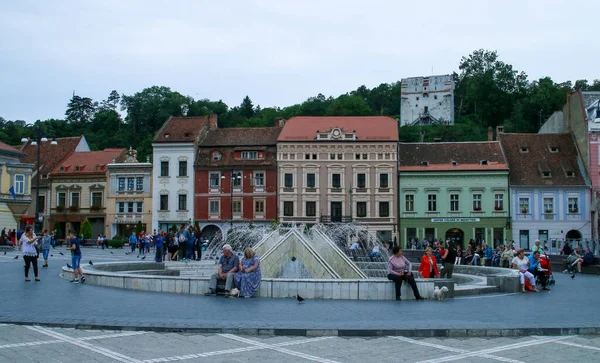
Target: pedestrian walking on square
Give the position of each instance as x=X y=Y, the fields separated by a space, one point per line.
x=74 y=245
x=132 y=241
x=29 y=242
x=46 y=244
x=158 y=244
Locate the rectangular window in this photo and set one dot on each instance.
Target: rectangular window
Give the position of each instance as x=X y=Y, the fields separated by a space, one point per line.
x=214 y=206
x=361 y=209
x=476 y=202
x=288 y=209
x=237 y=206
x=121 y=206
x=121 y=184
x=311 y=209
x=499 y=202
x=336 y=180
x=41 y=202
x=183 y=168
x=259 y=179
x=249 y=155
x=259 y=206
x=74 y=199
x=384 y=209
x=61 y=199
x=237 y=178
x=339 y=156
x=306 y=156
x=409 y=203
x=314 y=156
x=20 y=184
x=288 y=180
x=361 y=181
x=164 y=168
x=431 y=203
x=130 y=184
x=164 y=202
x=139 y=183
x=454 y=203
x=129 y=207
x=97 y=199
x=524 y=205
x=310 y=180
x=383 y=180
x=214 y=180
x=139 y=207
x=548 y=205
x=573 y=203
x=182 y=202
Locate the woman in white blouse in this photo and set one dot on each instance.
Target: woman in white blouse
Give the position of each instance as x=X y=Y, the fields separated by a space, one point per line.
x=521 y=263
x=30 y=254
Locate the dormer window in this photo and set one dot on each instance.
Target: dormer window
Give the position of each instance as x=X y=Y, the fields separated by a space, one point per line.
x=62 y=169
x=98 y=168
x=216 y=155
x=523 y=149
x=570 y=174
x=483 y=162
x=546 y=174
x=77 y=168
x=425 y=163
x=249 y=155
x=186 y=134
x=166 y=135
x=553 y=149
x=454 y=163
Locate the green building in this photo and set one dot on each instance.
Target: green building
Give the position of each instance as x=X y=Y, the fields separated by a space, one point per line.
x=453 y=190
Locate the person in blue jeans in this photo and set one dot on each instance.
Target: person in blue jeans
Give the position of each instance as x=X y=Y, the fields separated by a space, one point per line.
x=46 y=244
x=191 y=238
x=75 y=248
x=158 y=243
x=182 y=238
x=132 y=241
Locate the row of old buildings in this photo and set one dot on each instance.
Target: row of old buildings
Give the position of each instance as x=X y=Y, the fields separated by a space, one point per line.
x=312 y=170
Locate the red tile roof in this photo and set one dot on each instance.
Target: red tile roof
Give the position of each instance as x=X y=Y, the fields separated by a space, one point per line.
x=50 y=155
x=182 y=129
x=451 y=156
x=89 y=162
x=9 y=148
x=254 y=136
x=530 y=155
x=368 y=128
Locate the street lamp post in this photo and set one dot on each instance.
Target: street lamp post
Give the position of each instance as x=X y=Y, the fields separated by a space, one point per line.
x=37 y=140
x=232 y=178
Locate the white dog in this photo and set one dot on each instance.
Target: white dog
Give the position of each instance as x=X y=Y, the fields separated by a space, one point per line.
x=235 y=292
x=438 y=293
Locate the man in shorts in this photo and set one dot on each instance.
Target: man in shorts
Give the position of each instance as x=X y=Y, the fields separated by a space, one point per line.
x=74 y=245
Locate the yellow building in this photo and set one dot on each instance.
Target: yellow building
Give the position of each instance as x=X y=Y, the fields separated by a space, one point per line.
x=128 y=196
x=15 y=192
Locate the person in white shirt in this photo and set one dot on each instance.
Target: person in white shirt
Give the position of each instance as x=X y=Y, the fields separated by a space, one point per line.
x=28 y=242
x=521 y=263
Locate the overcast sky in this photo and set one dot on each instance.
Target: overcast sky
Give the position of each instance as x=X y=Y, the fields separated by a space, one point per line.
x=278 y=52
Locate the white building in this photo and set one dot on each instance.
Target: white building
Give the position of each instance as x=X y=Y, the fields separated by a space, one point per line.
x=427 y=100
x=174 y=147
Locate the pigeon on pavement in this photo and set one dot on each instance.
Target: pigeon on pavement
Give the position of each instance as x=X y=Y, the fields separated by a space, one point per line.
x=4 y=252
x=17 y=256
x=300 y=299
x=69 y=266
x=91 y=263
x=143 y=258
x=60 y=253
x=127 y=253
x=111 y=252
x=51 y=255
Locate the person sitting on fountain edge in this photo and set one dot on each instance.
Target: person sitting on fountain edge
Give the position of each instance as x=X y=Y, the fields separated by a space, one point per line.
x=228 y=266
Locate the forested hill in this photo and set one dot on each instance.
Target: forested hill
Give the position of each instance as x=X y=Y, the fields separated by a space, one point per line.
x=488 y=92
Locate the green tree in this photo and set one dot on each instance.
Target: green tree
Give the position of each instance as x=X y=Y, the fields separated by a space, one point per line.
x=112 y=102
x=138 y=228
x=86 y=229
x=59 y=231
x=349 y=105
x=247 y=108
x=80 y=109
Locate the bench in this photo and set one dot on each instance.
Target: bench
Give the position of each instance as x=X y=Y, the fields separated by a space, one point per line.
x=594 y=268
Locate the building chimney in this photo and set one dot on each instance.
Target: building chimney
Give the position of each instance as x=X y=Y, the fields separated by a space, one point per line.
x=490 y=134
x=279 y=122
x=499 y=130
x=212 y=121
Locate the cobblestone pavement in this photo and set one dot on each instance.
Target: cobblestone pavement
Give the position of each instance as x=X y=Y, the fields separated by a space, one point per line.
x=570 y=304
x=40 y=344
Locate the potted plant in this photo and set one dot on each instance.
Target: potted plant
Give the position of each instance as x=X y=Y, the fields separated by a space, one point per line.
x=573 y=210
x=60 y=208
x=477 y=209
x=95 y=208
x=524 y=211
x=548 y=211
x=74 y=208
x=498 y=208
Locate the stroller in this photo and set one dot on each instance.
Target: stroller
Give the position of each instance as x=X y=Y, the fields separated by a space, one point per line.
x=546 y=265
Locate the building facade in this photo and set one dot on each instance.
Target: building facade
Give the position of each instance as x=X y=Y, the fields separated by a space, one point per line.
x=128 y=196
x=427 y=100
x=15 y=183
x=173 y=152
x=550 y=191
x=50 y=157
x=339 y=169
x=453 y=191
x=236 y=178
x=78 y=185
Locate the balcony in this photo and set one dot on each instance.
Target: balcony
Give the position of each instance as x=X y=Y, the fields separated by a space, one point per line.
x=361 y=190
x=310 y=189
x=336 y=219
x=21 y=198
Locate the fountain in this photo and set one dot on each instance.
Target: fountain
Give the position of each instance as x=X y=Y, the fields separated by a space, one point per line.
x=315 y=263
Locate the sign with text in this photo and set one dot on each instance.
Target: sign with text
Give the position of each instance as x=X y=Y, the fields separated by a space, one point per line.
x=454 y=220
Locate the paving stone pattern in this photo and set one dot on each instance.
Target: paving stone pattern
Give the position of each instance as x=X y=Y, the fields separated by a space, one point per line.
x=56 y=302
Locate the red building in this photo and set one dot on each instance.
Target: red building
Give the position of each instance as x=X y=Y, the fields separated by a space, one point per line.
x=236 y=178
